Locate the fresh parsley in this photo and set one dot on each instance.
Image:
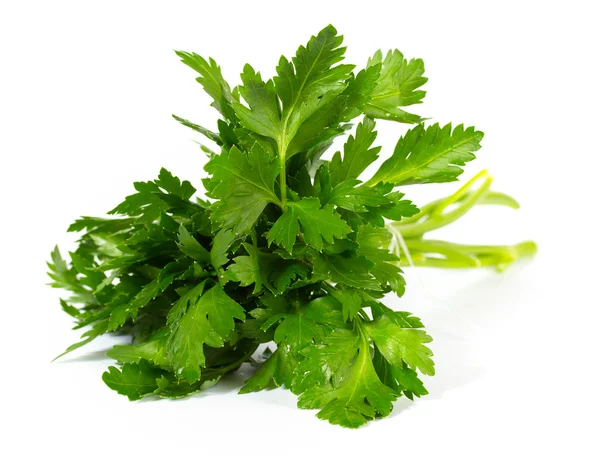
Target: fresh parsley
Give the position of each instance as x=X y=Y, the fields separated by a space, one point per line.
x=288 y=248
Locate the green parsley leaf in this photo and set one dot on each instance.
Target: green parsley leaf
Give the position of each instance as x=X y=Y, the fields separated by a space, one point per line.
x=243 y=183
x=318 y=225
x=354 y=394
x=430 y=155
x=297 y=331
x=202 y=130
x=352 y=301
x=318 y=131
x=208 y=319
x=358 y=154
x=253 y=268
x=402 y=379
x=221 y=243
x=191 y=247
x=310 y=81
x=148 y=293
x=397 y=86
x=399 y=345
x=66 y=278
x=276 y=371
x=263 y=116
x=135 y=380
x=212 y=80
x=173 y=185
x=350 y=271
x=97 y=330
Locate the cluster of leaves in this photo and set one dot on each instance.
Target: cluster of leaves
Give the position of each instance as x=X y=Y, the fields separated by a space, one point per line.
x=289 y=248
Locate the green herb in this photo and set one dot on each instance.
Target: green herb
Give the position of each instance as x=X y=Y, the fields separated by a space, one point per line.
x=289 y=248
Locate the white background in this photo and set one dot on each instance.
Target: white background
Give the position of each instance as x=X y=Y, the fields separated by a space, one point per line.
x=86 y=94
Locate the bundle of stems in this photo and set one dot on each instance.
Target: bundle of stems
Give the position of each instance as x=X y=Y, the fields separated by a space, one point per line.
x=410 y=245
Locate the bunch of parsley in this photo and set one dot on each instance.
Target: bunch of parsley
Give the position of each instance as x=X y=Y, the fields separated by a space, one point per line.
x=289 y=248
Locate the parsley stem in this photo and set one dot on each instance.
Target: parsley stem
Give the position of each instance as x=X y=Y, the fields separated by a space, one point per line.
x=417 y=251
x=232 y=366
x=435 y=221
x=443 y=254
x=282 y=173
x=490 y=198
x=446 y=249
x=282 y=184
x=499 y=199
x=460 y=194
x=437 y=207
